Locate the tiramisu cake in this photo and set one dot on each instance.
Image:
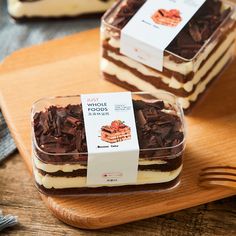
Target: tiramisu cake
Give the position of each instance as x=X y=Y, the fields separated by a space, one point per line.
x=60 y=149
x=196 y=56
x=116 y=132
x=24 y=9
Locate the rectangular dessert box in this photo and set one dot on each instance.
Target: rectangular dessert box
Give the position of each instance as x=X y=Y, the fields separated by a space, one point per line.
x=187 y=78
x=159 y=168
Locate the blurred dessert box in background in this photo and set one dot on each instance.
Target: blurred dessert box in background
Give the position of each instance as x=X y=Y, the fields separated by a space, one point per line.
x=196 y=56
x=25 y=9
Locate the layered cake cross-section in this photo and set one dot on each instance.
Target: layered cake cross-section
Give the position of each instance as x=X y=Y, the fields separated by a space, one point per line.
x=60 y=154
x=196 y=56
x=31 y=9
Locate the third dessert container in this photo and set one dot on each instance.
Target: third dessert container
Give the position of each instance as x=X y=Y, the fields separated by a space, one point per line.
x=22 y=10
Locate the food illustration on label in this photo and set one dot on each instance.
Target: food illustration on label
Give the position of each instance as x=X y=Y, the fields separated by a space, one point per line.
x=117 y=131
x=167 y=17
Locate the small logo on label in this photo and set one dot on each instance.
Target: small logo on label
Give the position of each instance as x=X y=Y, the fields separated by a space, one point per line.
x=112 y=175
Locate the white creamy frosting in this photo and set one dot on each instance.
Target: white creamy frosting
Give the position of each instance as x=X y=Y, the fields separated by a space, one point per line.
x=151 y=162
x=126 y=76
x=144 y=177
x=183 y=68
x=47 y=8
x=51 y=168
x=171 y=81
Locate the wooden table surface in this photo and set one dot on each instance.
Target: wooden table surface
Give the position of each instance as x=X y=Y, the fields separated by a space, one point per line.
x=18 y=196
x=17 y=192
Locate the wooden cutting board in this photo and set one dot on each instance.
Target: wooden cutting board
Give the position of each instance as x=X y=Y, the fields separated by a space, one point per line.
x=71 y=66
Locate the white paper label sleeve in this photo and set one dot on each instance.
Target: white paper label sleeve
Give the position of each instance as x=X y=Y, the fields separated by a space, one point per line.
x=146 y=36
x=113 y=149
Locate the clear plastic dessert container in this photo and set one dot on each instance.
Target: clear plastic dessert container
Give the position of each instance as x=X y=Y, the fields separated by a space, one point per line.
x=62 y=170
x=189 y=66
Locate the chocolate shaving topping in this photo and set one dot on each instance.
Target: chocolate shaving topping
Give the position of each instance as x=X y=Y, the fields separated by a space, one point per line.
x=194 y=31
x=188 y=42
x=140 y=118
x=61 y=129
x=155 y=127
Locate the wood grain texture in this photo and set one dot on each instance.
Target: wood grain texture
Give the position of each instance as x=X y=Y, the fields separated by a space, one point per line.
x=18 y=197
x=71 y=66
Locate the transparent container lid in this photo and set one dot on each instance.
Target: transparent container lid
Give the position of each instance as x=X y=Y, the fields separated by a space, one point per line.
x=170 y=101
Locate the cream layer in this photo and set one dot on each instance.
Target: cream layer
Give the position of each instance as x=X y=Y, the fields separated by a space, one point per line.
x=47 y=8
x=186 y=67
x=171 y=81
x=144 y=177
x=50 y=168
x=127 y=76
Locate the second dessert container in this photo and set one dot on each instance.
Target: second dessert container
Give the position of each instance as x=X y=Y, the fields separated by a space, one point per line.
x=189 y=70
